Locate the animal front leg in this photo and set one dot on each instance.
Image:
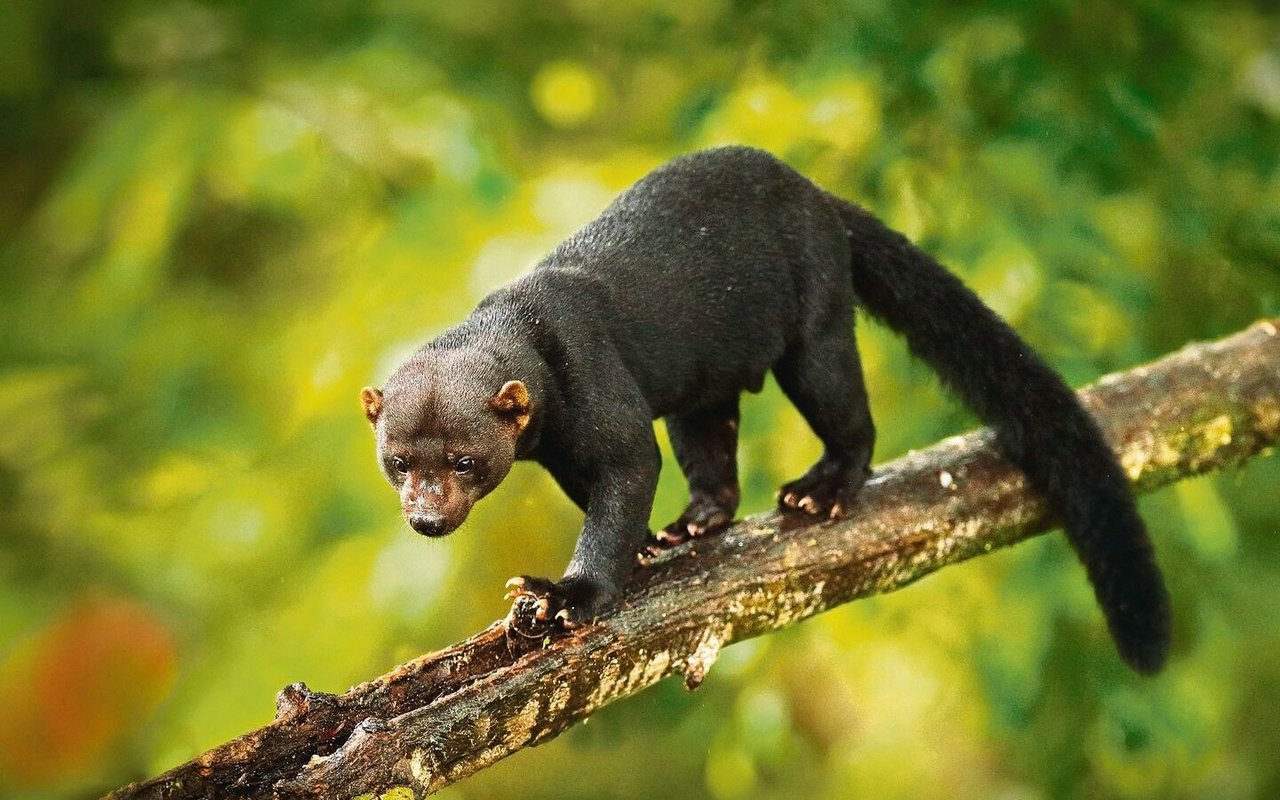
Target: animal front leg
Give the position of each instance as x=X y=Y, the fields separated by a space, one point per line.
x=616 y=524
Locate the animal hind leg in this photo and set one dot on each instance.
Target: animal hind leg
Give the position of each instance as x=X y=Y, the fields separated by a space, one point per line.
x=705 y=444
x=823 y=378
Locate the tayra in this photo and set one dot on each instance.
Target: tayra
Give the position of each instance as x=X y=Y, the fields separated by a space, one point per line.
x=711 y=271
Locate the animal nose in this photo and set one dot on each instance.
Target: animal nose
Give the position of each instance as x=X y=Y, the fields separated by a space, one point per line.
x=427 y=524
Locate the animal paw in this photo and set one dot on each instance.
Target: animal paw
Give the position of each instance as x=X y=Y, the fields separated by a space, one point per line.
x=827 y=490
x=564 y=605
x=702 y=517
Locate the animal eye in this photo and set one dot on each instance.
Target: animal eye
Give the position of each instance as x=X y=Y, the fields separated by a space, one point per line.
x=464 y=465
x=398 y=466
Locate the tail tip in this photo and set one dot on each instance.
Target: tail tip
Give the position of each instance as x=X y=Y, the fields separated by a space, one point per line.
x=1146 y=656
x=1142 y=631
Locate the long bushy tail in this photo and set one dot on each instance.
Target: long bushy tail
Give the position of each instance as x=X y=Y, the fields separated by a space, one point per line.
x=1039 y=424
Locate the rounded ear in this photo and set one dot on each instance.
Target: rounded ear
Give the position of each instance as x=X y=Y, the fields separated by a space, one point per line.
x=512 y=404
x=371 y=399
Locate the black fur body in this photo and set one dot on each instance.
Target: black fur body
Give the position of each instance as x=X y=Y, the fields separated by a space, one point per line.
x=710 y=272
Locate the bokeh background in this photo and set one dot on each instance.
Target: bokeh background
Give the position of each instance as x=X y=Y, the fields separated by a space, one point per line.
x=218 y=221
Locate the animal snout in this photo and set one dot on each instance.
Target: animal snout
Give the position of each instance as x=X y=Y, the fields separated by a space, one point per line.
x=427 y=524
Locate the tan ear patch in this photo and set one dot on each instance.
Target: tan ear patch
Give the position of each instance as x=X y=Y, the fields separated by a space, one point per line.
x=512 y=403
x=371 y=399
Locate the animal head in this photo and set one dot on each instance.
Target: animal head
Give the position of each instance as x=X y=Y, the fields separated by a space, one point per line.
x=446 y=430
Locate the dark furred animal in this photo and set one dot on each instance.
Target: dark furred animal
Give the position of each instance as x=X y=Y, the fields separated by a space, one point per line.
x=711 y=271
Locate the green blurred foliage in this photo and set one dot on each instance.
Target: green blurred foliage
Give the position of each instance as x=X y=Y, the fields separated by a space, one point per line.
x=219 y=220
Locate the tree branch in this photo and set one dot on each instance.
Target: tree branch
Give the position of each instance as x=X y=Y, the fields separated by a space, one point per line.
x=443 y=716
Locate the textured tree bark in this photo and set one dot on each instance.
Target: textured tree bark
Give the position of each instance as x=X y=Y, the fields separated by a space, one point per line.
x=444 y=716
